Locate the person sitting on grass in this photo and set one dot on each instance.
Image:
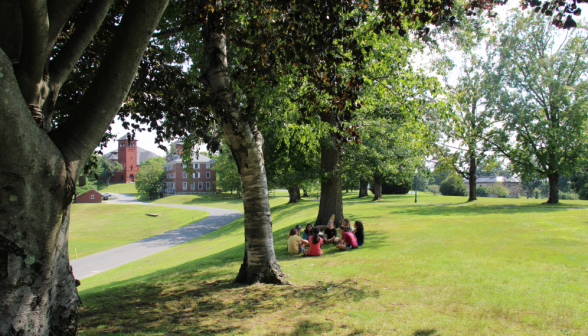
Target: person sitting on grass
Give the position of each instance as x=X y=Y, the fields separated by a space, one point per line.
x=315 y=243
x=348 y=240
x=358 y=232
x=347 y=224
x=307 y=232
x=295 y=243
x=330 y=233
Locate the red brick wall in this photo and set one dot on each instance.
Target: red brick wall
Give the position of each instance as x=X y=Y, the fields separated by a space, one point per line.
x=87 y=197
x=127 y=157
x=180 y=179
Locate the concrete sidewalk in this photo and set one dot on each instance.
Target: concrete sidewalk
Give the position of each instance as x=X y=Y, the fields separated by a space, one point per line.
x=106 y=260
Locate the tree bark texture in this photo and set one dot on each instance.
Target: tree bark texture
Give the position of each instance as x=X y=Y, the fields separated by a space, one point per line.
x=553 y=188
x=377 y=187
x=245 y=141
x=294 y=193
x=363 y=188
x=38 y=171
x=331 y=185
x=472 y=178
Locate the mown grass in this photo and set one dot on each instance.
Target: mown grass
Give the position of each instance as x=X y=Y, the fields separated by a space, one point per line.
x=98 y=227
x=426 y=269
x=119 y=188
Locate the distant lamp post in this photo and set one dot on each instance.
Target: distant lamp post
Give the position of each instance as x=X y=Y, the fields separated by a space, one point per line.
x=416 y=171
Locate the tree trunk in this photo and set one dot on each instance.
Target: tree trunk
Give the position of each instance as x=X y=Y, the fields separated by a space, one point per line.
x=377 y=187
x=553 y=188
x=331 y=186
x=472 y=178
x=305 y=193
x=294 y=193
x=245 y=141
x=363 y=188
x=38 y=170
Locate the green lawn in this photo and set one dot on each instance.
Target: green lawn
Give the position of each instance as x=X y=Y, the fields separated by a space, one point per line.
x=98 y=227
x=123 y=188
x=513 y=267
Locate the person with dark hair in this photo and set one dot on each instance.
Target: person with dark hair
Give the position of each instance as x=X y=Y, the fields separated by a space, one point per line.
x=330 y=233
x=347 y=224
x=295 y=243
x=315 y=243
x=358 y=232
x=348 y=240
x=307 y=231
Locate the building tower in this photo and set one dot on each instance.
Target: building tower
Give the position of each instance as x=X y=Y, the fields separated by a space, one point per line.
x=128 y=158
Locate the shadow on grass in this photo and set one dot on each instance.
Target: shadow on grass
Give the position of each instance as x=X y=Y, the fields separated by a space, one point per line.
x=426 y=332
x=457 y=210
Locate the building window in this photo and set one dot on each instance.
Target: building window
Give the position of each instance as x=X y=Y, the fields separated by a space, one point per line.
x=200 y=185
x=196 y=166
x=207 y=175
x=192 y=185
x=131 y=165
x=122 y=144
x=208 y=166
x=185 y=175
x=91 y=196
x=185 y=185
x=207 y=185
x=174 y=185
x=183 y=166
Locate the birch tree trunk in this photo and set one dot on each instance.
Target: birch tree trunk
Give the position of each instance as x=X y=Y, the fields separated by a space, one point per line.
x=331 y=186
x=245 y=141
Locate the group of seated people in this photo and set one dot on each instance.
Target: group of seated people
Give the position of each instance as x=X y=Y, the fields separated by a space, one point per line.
x=311 y=237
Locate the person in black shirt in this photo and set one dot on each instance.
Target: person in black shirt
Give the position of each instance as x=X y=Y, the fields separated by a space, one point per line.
x=358 y=232
x=330 y=234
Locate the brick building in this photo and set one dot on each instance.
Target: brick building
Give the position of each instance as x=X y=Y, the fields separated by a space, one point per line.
x=90 y=196
x=510 y=183
x=198 y=178
x=130 y=156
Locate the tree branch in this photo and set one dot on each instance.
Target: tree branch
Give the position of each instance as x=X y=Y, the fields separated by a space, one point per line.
x=79 y=134
x=67 y=58
x=29 y=72
x=59 y=12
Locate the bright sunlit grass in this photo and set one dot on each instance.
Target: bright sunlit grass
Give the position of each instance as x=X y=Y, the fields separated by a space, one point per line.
x=123 y=188
x=509 y=267
x=96 y=227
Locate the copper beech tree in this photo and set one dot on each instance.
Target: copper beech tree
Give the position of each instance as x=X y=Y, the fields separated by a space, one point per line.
x=44 y=152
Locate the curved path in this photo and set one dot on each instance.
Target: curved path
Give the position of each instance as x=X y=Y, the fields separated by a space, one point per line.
x=106 y=260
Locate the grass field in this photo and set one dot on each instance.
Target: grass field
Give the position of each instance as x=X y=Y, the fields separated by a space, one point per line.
x=99 y=227
x=493 y=267
x=124 y=188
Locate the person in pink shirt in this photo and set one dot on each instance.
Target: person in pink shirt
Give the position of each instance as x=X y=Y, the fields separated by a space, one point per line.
x=315 y=243
x=348 y=240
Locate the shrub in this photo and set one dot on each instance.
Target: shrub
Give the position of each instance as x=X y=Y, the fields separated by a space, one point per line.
x=453 y=186
x=498 y=190
x=482 y=192
x=568 y=195
x=433 y=189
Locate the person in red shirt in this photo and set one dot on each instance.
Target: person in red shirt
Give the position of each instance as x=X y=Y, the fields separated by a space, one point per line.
x=348 y=240
x=315 y=243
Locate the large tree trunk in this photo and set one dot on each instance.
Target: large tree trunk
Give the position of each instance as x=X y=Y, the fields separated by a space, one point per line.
x=331 y=186
x=363 y=188
x=294 y=193
x=245 y=141
x=38 y=170
x=553 y=188
x=377 y=187
x=472 y=178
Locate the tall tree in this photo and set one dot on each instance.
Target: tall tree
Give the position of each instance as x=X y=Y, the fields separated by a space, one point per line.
x=150 y=177
x=543 y=99
x=41 y=160
x=227 y=175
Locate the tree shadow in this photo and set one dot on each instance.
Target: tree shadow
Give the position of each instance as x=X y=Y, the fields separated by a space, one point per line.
x=425 y=332
x=456 y=209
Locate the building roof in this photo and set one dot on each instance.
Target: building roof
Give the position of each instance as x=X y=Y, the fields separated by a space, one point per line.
x=112 y=155
x=142 y=156
x=494 y=179
x=125 y=137
x=201 y=159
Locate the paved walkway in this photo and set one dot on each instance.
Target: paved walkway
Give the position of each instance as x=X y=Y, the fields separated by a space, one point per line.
x=106 y=260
